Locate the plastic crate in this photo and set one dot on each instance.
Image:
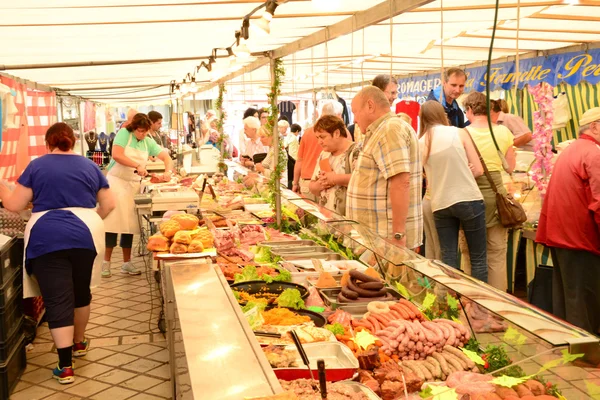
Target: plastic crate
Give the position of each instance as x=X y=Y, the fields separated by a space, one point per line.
x=11 y=259
x=14 y=338
x=10 y=288
x=11 y=314
x=11 y=371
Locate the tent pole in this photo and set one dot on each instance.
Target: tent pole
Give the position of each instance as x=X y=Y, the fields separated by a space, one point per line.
x=275 y=134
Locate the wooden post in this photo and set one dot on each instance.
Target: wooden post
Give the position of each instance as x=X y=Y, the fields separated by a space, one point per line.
x=276 y=148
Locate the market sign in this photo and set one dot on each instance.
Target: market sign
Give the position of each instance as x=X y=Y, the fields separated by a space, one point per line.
x=571 y=68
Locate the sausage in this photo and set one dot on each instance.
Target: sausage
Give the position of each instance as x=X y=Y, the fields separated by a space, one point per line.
x=410 y=331
x=435 y=329
x=343 y=299
x=442 y=361
x=396 y=314
x=436 y=365
x=411 y=314
x=363 y=277
x=411 y=367
x=429 y=368
x=412 y=307
x=363 y=292
x=349 y=294
x=458 y=359
x=445 y=330
x=536 y=387
x=421 y=367
x=505 y=392
x=379 y=317
x=400 y=310
x=371 y=285
x=375 y=323
x=453 y=361
x=460 y=327
x=522 y=390
x=461 y=356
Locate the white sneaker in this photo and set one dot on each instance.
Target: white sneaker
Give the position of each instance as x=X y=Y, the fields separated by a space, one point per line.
x=106 y=269
x=128 y=268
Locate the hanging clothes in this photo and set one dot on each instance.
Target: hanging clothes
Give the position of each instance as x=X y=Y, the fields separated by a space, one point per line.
x=410 y=108
x=562 y=112
x=345 y=113
x=286 y=109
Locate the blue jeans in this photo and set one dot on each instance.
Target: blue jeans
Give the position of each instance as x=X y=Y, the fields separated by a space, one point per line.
x=471 y=215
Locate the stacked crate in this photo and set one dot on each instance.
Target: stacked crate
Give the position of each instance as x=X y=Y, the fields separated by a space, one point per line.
x=12 y=340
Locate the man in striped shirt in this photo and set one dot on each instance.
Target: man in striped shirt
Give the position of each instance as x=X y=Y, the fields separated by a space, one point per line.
x=384 y=192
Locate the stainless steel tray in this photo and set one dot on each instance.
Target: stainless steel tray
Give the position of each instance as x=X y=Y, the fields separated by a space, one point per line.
x=330 y=298
x=308 y=256
x=356 y=310
x=288 y=243
x=359 y=387
x=312 y=281
x=282 y=251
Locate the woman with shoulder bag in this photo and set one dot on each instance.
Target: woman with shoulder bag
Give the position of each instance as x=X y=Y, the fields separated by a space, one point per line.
x=486 y=141
x=452 y=164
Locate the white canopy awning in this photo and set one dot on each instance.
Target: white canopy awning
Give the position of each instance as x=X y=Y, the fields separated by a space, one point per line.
x=119 y=51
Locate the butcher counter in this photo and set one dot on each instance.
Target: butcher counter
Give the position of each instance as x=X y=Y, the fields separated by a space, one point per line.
x=213 y=352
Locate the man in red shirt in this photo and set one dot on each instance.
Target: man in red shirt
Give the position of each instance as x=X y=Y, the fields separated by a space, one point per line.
x=570 y=225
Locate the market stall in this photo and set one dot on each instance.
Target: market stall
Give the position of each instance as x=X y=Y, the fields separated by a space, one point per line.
x=448 y=319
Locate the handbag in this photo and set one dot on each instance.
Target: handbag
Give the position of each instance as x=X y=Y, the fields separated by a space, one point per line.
x=510 y=211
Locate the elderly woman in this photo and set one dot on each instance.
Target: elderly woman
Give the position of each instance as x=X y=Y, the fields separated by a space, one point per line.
x=335 y=163
x=497 y=235
x=64 y=239
x=131 y=150
x=267 y=166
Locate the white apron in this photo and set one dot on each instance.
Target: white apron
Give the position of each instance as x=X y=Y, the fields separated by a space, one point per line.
x=125 y=183
x=92 y=220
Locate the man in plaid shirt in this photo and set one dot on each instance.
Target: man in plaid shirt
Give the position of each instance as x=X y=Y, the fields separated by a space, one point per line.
x=384 y=192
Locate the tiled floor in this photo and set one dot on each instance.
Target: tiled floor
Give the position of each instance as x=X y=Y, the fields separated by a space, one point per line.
x=128 y=357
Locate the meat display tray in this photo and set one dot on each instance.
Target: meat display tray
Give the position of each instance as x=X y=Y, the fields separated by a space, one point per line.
x=330 y=297
x=283 y=251
x=359 y=387
x=288 y=243
x=340 y=363
x=307 y=256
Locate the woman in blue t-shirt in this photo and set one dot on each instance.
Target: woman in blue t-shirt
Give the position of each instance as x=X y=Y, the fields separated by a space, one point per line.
x=131 y=150
x=64 y=239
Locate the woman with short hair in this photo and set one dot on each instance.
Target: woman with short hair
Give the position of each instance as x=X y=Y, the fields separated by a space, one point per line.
x=334 y=165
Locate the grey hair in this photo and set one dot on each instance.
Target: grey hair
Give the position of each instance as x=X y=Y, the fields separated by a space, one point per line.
x=375 y=94
x=252 y=122
x=332 y=108
x=382 y=81
x=453 y=71
x=584 y=128
x=283 y=123
x=131 y=113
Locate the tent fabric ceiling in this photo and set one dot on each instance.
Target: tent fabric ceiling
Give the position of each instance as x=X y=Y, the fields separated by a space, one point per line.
x=182 y=33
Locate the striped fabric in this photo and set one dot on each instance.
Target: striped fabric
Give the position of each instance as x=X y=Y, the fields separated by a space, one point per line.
x=41 y=114
x=582 y=97
x=10 y=137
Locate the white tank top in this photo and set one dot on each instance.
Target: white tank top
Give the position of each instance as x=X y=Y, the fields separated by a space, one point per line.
x=449 y=178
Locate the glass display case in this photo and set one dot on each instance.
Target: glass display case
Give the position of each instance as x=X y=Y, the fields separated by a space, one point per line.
x=535 y=341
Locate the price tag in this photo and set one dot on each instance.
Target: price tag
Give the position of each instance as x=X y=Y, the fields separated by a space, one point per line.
x=452 y=302
x=509 y=381
x=476 y=358
x=429 y=301
x=402 y=290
